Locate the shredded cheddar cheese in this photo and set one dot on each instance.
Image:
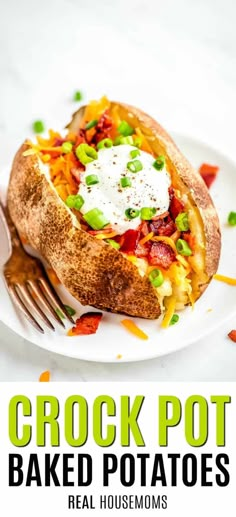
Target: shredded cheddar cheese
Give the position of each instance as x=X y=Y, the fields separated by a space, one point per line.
x=134 y=329
x=226 y=279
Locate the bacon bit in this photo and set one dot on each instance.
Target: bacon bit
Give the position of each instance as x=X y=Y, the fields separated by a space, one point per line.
x=232 y=335
x=190 y=239
x=143 y=251
x=161 y=254
x=208 y=173
x=176 y=206
x=166 y=240
x=87 y=324
x=163 y=227
x=161 y=216
x=134 y=329
x=226 y=279
x=129 y=241
x=95 y=233
x=146 y=239
x=45 y=376
x=53 y=276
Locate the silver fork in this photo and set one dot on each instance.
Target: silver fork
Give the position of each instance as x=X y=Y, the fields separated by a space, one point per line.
x=26 y=279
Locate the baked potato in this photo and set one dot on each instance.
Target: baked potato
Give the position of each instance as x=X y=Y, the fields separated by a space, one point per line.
x=118 y=212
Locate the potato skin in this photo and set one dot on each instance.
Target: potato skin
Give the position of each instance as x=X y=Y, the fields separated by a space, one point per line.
x=92 y=271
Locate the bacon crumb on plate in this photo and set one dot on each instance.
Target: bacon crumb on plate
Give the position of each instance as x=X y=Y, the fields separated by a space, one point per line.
x=232 y=335
x=208 y=173
x=87 y=324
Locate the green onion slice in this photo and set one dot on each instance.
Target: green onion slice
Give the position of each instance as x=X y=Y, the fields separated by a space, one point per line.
x=38 y=126
x=132 y=213
x=96 y=219
x=70 y=310
x=156 y=277
x=232 y=218
x=67 y=147
x=113 y=243
x=134 y=153
x=125 y=129
x=126 y=182
x=92 y=179
x=78 y=96
x=91 y=124
x=182 y=222
x=183 y=248
x=134 y=166
x=122 y=140
x=147 y=213
x=75 y=201
x=86 y=154
x=159 y=163
x=105 y=143
x=174 y=319
x=60 y=313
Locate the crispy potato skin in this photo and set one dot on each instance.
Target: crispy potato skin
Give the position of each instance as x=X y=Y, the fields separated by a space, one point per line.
x=92 y=271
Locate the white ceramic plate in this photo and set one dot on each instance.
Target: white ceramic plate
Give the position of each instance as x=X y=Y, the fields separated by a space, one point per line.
x=112 y=342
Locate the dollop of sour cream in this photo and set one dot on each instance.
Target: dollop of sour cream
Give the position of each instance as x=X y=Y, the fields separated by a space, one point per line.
x=149 y=187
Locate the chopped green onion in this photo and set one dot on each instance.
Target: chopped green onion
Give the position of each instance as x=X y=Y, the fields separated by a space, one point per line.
x=174 y=319
x=70 y=310
x=38 y=126
x=122 y=140
x=96 y=219
x=78 y=96
x=181 y=222
x=134 y=166
x=75 y=201
x=60 y=313
x=183 y=248
x=134 y=153
x=137 y=141
x=159 y=163
x=125 y=129
x=147 y=213
x=67 y=147
x=126 y=182
x=91 y=124
x=92 y=179
x=132 y=213
x=232 y=218
x=86 y=154
x=105 y=143
x=113 y=243
x=156 y=277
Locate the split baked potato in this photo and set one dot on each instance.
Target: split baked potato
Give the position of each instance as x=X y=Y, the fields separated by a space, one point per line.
x=118 y=212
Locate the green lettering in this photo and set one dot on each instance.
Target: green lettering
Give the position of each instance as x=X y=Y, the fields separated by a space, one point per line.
x=190 y=427
x=13 y=424
x=129 y=423
x=220 y=401
x=81 y=403
x=109 y=438
x=44 y=419
x=166 y=421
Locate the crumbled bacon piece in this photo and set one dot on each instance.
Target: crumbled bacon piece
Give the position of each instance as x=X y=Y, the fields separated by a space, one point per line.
x=129 y=241
x=208 y=173
x=87 y=324
x=176 y=206
x=164 y=226
x=232 y=335
x=161 y=254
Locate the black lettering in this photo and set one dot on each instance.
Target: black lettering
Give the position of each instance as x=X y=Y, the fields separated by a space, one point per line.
x=189 y=473
x=33 y=473
x=107 y=470
x=143 y=458
x=158 y=465
x=205 y=469
x=16 y=476
x=220 y=459
x=82 y=479
x=173 y=458
x=127 y=473
x=50 y=470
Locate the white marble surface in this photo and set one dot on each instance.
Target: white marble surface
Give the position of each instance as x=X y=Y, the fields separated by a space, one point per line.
x=173 y=58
